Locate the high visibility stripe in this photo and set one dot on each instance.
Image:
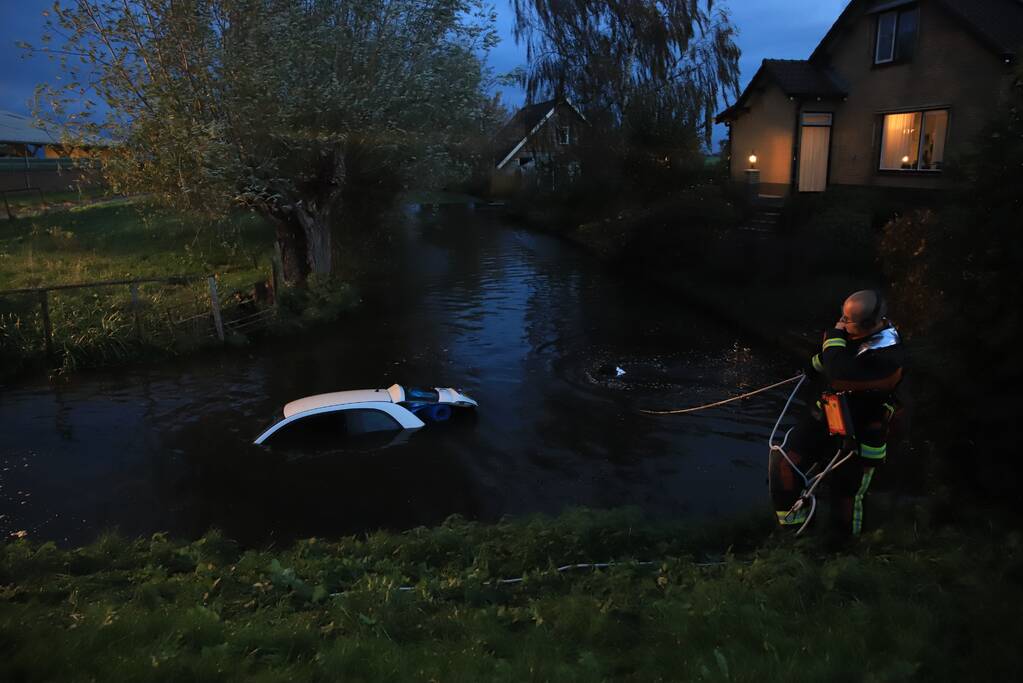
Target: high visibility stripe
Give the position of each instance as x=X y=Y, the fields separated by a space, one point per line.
x=890 y=408
x=797 y=517
x=857 y=520
x=817 y=365
x=838 y=341
x=873 y=452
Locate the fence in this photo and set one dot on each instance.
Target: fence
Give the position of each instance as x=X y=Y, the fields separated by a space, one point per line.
x=166 y=312
x=23 y=179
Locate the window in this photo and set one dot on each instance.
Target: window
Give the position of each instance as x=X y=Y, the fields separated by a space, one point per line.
x=896 y=35
x=332 y=429
x=914 y=141
x=367 y=421
x=564 y=135
x=816 y=119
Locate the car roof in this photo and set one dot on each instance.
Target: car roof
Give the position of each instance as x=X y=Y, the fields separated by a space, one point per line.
x=336 y=398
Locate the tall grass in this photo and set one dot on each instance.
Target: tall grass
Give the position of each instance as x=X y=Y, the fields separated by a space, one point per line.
x=915 y=603
x=99 y=326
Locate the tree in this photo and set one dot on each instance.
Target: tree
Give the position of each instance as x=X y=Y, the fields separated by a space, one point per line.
x=261 y=103
x=657 y=68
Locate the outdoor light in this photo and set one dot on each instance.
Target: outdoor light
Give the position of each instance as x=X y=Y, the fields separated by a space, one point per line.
x=752 y=160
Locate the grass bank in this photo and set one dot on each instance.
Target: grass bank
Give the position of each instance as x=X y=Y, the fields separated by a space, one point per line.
x=917 y=602
x=100 y=326
x=782 y=288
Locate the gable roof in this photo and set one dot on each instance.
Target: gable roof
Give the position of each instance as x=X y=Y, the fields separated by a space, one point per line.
x=23 y=130
x=996 y=23
x=527 y=120
x=795 y=77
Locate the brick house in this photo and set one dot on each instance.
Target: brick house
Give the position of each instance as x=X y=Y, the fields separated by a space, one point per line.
x=537 y=148
x=895 y=90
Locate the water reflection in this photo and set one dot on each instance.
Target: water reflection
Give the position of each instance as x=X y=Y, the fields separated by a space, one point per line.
x=527 y=325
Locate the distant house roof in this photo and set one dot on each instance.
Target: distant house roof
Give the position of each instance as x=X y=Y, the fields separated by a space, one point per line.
x=795 y=77
x=996 y=23
x=514 y=134
x=23 y=130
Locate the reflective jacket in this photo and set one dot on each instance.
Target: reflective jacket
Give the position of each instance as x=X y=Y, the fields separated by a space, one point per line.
x=869 y=369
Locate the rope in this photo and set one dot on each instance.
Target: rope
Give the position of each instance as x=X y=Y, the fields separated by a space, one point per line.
x=680 y=411
x=586 y=565
x=809 y=483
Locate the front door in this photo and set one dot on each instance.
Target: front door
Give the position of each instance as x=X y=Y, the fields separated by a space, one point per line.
x=814 y=141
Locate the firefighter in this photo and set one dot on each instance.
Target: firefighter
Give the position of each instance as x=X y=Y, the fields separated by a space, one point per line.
x=854 y=376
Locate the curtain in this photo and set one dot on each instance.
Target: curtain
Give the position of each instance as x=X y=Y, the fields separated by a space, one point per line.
x=933 y=153
x=813 y=158
x=899 y=142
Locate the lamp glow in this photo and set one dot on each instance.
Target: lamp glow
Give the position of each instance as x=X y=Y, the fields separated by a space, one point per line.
x=752 y=159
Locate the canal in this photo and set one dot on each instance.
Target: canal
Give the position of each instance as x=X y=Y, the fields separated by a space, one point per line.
x=560 y=353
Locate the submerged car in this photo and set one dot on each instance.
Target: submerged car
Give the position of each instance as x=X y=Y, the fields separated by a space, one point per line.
x=327 y=419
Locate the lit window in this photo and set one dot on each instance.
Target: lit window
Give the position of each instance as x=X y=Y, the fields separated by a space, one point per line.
x=914 y=141
x=896 y=35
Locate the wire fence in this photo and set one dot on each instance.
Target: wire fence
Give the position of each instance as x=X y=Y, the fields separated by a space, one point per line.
x=92 y=323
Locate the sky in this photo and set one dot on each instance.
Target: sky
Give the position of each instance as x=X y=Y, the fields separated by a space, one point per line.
x=776 y=29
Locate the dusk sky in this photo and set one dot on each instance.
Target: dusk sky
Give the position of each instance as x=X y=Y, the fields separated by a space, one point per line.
x=781 y=29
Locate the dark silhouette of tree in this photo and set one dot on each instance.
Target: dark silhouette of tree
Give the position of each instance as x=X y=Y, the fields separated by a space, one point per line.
x=663 y=66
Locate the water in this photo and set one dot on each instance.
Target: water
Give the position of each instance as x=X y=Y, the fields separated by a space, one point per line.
x=531 y=327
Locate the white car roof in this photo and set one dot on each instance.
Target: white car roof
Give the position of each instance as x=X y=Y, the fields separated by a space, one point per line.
x=335 y=398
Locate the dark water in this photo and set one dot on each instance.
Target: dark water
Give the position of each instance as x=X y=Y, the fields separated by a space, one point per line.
x=529 y=326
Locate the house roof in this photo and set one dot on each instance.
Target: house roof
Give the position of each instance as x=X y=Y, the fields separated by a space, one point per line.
x=997 y=23
x=523 y=124
x=795 y=77
x=23 y=130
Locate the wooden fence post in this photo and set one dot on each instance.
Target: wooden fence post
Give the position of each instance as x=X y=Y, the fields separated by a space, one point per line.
x=277 y=270
x=135 y=308
x=215 y=306
x=44 y=302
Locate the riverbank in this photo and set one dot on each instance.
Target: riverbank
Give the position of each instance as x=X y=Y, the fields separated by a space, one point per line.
x=914 y=602
x=129 y=240
x=778 y=288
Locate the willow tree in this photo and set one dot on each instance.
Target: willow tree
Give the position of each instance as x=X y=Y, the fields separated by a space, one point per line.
x=657 y=65
x=261 y=103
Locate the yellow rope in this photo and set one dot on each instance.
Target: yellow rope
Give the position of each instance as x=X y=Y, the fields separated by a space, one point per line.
x=721 y=403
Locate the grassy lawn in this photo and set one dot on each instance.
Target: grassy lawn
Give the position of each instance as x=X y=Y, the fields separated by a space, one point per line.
x=30 y=202
x=916 y=602
x=126 y=240
x=129 y=241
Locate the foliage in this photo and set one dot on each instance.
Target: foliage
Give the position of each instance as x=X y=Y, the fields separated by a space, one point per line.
x=919 y=602
x=263 y=103
x=647 y=75
x=955 y=272
x=652 y=67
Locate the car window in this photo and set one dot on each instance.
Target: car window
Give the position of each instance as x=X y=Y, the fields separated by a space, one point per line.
x=313 y=431
x=414 y=395
x=366 y=421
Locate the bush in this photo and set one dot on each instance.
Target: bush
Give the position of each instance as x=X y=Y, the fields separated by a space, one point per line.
x=956 y=272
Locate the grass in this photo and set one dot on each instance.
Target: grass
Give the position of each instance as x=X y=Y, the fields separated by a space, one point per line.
x=96 y=326
x=22 y=202
x=916 y=602
x=115 y=242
